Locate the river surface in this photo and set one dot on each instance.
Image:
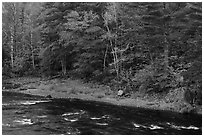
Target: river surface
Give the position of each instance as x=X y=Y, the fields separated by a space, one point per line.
x=32 y=115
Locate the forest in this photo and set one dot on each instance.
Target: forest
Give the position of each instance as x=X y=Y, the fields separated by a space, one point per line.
x=146 y=48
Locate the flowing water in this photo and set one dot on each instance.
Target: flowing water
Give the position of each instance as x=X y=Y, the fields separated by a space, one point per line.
x=32 y=115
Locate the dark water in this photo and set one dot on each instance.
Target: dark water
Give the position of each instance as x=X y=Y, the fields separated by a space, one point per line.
x=25 y=114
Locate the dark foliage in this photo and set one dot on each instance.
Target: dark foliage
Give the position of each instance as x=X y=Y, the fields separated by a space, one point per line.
x=150 y=48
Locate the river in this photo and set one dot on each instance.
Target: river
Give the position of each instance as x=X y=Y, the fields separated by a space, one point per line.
x=33 y=115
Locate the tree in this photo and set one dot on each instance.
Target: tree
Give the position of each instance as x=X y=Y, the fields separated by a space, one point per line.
x=18 y=23
x=147 y=45
x=10 y=20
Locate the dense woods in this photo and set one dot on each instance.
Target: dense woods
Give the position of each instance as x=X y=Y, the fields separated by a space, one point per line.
x=145 y=48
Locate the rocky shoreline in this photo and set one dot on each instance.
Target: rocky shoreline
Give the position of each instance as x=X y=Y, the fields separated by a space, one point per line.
x=69 y=88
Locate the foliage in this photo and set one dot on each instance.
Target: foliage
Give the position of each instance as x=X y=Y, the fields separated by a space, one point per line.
x=20 y=35
x=193 y=81
x=153 y=79
x=148 y=47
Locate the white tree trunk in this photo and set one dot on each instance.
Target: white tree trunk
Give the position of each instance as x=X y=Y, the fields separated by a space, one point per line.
x=32 y=49
x=104 y=60
x=63 y=63
x=166 y=55
x=12 y=47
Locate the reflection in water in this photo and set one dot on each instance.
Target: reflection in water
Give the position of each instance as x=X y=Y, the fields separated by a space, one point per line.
x=23 y=114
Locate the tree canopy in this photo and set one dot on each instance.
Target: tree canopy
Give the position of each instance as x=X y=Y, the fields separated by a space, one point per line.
x=144 y=46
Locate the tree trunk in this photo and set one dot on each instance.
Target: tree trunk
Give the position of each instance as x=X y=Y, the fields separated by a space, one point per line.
x=113 y=45
x=12 y=48
x=116 y=25
x=113 y=52
x=104 y=60
x=23 y=30
x=13 y=34
x=166 y=44
x=166 y=54
x=32 y=50
x=63 y=63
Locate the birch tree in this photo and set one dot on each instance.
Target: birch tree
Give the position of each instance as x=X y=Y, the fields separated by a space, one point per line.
x=10 y=19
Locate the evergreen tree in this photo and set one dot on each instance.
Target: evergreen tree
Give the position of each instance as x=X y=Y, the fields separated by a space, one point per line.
x=143 y=46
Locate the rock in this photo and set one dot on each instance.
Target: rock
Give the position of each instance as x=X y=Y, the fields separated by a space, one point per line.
x=32 y=90
x=48 y=96
x=120 y=92
x=31 y=87
x=23 y=88
x=100 y=96
x=11 y=85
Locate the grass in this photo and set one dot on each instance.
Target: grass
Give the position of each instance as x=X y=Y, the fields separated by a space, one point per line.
x=77 y=89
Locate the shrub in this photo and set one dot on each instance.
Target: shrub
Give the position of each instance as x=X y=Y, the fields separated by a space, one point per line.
x=193 y=95
x=153 y=78
x=193 y=82
x=21 y=65
x=6 y=69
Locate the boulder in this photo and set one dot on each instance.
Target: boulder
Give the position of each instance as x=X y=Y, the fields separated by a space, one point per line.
x=23 y=88
x=120 y=92
x=48 y=96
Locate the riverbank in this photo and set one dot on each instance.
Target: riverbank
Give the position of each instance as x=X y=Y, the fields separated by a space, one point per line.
x=70 y=88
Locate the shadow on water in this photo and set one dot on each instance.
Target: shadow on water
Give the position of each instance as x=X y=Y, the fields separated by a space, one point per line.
x=26 y=114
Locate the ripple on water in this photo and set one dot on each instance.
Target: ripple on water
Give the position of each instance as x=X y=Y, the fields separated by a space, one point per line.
x=71 y=120
x=95 y=118
x=43 y=116
x=74 y=113
x=102 y=124
x=102 y=117
x=136 y=125
x=6 y=104
x=151 y=127
x=24 y=122
x=33 y=102
x=182 y=127
x=73 y=131
x=6 y=125
x=190 y=127
x=105 y=117
x=71 y=116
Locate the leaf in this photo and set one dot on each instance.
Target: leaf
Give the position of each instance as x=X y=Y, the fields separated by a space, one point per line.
x=196 y=16
x=175 y=36
x=93 y=29
x=156 y=13
x=72 y=14
x=66 y=35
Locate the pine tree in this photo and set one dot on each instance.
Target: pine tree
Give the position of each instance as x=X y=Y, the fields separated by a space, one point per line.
x=67 y=28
